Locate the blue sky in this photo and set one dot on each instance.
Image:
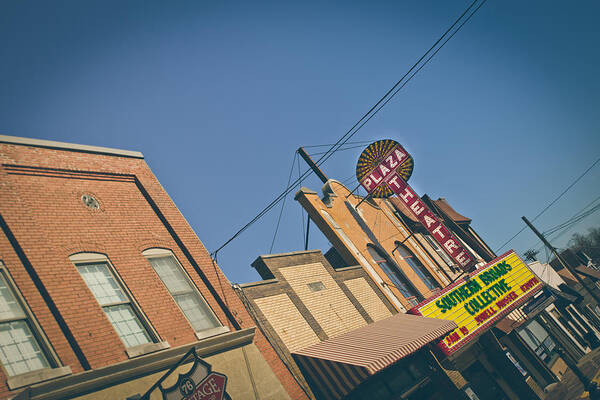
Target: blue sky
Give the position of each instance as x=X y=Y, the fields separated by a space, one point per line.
x=219 y=95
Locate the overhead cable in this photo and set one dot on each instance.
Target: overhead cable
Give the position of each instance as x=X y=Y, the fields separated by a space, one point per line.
x=283 y=204
x=551 y=203
x=557 y=231
x=331 y=144
x=447 y=35
x=575 y=219
x=340 y=149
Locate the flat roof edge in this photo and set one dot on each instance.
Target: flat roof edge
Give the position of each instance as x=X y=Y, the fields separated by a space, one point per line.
x=291 y=253
x=258 y=283
x=50 y=144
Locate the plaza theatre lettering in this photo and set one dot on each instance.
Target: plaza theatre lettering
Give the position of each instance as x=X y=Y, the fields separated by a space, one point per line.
x=483 y=298
x=383 y=169
x=433 y=225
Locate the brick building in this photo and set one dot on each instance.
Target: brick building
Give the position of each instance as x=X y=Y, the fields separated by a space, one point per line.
x=104 y=285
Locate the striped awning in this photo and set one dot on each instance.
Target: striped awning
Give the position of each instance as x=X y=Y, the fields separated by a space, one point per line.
x=340 y=364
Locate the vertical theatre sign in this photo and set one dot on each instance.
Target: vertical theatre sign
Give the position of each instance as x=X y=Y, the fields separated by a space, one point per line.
x=481 y=299
x=383 y=169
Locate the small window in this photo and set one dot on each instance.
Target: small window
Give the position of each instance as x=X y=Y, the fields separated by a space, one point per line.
x=115 y=303
x=316 y=286
x=20 y=351
x=180 y=286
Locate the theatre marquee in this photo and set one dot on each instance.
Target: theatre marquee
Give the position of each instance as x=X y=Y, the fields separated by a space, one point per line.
x=484 y=297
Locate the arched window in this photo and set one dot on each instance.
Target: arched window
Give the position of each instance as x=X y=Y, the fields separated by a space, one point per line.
x=20 y=349
x=436 y=247
x=114 y=299
x=395 y=274
x=416 y=265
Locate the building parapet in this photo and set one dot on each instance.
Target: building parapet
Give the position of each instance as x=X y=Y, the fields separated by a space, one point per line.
x=50 y=144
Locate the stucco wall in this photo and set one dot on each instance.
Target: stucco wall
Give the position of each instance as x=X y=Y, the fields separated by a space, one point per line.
x=248 y=377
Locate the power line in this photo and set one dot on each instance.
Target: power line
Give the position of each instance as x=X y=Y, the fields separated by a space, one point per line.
x=347 y=180
x=365 y=118
x=551 y=203
x=424 y=63
x=332 y=144
x=564 y=227
x=340 y=149
x=575 y=219
x=396 y=88
x=283 y=204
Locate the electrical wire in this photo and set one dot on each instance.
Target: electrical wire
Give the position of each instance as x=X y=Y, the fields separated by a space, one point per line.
x=422 y=65
x=551 y=204
x=348 y=179
x=331 y=144
x=564 y=227
x=574 y=220
x=396 y=88
x=366 y=117
x=283 y=203
x=340 y=149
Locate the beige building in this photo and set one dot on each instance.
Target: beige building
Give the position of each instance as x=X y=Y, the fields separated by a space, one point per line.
x=308 y=307
x=408 y=266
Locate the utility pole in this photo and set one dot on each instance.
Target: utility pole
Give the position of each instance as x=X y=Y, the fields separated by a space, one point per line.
x=307 y=230
x=312 y=164
x=321 y=176
x=561 y=260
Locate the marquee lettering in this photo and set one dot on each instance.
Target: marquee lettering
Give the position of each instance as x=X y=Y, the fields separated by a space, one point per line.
x=485 y=296
x=428 y=220
x=450 y=245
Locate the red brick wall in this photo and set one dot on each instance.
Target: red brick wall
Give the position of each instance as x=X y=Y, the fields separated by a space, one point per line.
x=41 y=205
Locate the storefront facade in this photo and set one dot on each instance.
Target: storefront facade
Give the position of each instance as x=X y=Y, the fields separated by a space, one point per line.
x=340 y=334
x=554 y=325
x=356 y=227
x=477 y=303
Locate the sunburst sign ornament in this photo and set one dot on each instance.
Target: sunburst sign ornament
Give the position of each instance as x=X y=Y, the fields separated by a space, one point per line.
x=383 y=170
x=377 y=161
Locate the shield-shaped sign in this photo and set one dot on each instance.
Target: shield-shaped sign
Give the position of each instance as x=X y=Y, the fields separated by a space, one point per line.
x=211 y=388
x=199 y=383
